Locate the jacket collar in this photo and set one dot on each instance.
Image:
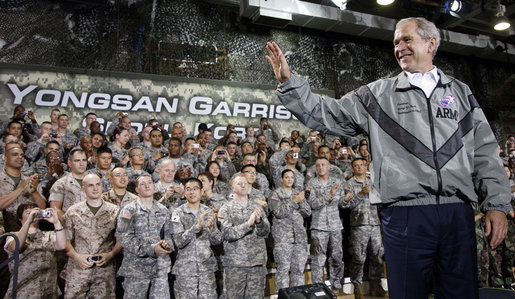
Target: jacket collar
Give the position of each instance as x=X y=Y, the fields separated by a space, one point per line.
x=402 y=82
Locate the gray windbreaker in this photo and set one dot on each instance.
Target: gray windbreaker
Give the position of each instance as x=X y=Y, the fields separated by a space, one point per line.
x=425 y=150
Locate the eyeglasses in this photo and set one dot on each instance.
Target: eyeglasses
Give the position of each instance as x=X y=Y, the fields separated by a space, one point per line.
x=137 y=155
x=250 y=172
x=192 y=189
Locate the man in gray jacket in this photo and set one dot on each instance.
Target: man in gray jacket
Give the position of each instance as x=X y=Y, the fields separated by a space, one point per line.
x=433 y=153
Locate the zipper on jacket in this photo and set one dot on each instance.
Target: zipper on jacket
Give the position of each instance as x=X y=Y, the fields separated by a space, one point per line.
x=433 y=140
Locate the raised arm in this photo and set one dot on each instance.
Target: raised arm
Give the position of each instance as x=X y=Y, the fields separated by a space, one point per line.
x=278 y=61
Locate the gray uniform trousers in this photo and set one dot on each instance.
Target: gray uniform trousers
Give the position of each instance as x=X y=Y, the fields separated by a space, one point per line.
x=363 y=239
x=204 y=282
x=290 y=257
x=246 y=282
x=156 y=287
x=320 y=241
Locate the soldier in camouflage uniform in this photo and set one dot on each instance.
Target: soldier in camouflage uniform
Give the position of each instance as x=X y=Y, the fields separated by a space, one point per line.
x=85 y=131
x=16 y=188
x=91 y=244
x=289 y=209
x=261 y=179
x=143 y=230
x=194 y=230
x=334 y=171
x=37 y=271
x=68 y=139
x=326 y=226
x=169 y=191
x=244 y=230
x=119 y=195
x=67 y=190
x=119 y=139
x=365 y=230
x=220 y=186
x=26 y=170
x=290 y=159
x=255 y=195
x=37 y=149
x=209 y=198
x=137 y=161
x=104 y=158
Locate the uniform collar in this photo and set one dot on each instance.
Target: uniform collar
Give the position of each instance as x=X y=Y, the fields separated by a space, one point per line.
x=402 y=81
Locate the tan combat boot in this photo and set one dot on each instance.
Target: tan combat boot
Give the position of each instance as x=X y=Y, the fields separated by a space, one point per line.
x=358 y=292
x=377 y=290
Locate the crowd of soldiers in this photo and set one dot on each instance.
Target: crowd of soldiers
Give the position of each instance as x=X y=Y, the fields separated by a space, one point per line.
x=160 y=214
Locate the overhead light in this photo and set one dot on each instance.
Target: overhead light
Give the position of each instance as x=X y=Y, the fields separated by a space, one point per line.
x=342 y=4
x=501 y=22
x=455 y=5
x=385 y=2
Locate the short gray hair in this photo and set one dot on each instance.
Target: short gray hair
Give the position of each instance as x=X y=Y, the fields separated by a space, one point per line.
x=426 y=29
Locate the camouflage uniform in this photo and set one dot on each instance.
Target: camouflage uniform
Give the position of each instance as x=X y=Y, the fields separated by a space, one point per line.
x=262 y=181
x=102 y=174
x=171 y=203
x=245 y=250
x=276 y=168
x=7 y=186
x=199 y=164
x=68 y=191
x=290 y=237
x=41 y=169
x=133 y=174
x=37 y=270
x=118 y=153
x=26 y=170
x=365 y=233
x=179 y=163
x=68 y=137
x=222 y=188
x=501 y=259
x=345 y=167
x=35 y=151
x=482 y=249
x=111 y=197
x=326 y=227
x=334 y=171
x=214 y=202
x=81 y=132
x=90 y=234
x=138 y=229
x=196 y=264
x=271 y=136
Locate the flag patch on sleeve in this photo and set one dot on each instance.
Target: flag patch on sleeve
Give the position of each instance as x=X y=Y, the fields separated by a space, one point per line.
x=126 y=215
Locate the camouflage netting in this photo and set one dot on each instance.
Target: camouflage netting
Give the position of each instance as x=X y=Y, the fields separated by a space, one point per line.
x=193 y=38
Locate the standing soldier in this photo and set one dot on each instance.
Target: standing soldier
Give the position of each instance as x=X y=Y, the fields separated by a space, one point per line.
x=90 y=244
x=326 y=226
x=244 y=228
x=289 y=209
x=194 y=230
x=67 y=190
x=143 y=231
x=365 y=231
x=119 y=195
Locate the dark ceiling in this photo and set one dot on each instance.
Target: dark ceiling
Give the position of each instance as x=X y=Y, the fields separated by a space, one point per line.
x=475 y=17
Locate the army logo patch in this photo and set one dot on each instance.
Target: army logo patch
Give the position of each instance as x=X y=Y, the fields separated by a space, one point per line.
x=447 y=101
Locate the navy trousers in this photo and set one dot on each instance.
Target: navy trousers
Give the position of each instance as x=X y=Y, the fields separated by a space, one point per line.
x=425 y=241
